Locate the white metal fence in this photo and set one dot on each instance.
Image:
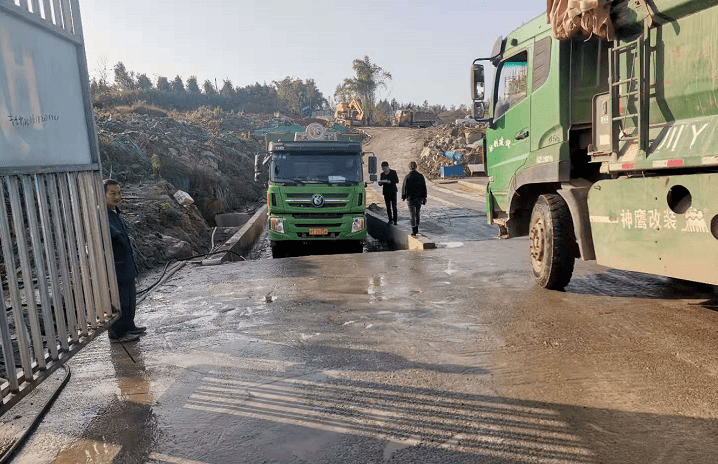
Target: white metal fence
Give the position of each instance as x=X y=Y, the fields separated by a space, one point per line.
x=57 y=279
x=61 y=15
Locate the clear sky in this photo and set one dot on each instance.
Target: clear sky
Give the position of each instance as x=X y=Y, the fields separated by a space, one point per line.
x=427 y=46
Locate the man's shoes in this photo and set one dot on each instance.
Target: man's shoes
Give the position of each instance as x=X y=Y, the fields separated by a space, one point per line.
x=394 y=221
x=389 y=222
x=414 y=231
x=137 y=331
x=126 y=338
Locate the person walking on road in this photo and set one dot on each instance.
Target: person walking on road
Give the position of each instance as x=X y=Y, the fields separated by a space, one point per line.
x=123 y=329
x=389 y=180
x=414 y=190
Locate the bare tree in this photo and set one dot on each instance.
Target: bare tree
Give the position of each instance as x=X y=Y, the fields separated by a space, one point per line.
x=101 y=74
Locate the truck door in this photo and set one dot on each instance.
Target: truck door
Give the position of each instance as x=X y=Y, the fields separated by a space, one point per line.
x=508 y=143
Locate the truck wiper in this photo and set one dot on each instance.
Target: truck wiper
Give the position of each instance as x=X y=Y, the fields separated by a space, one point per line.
x=288 y=181
x=343 y=182
x=327 y=180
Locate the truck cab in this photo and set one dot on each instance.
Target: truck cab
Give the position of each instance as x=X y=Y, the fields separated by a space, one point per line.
x=316 y=189
x=602 y=147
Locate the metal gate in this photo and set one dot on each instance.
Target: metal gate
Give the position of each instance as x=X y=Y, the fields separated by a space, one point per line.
x=56 y=267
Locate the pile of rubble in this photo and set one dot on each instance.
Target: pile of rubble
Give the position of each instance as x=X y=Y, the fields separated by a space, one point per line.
x=463 y=141
x=154 y=154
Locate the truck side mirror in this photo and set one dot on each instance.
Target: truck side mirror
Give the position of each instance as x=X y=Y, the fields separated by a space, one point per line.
x=372 y=165
x=478 y=110
x=477 y=82
x=257 y=168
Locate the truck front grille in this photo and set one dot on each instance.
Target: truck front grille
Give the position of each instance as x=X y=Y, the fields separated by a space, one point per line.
x=323 y=226
x=317 y=215
x=304 y=200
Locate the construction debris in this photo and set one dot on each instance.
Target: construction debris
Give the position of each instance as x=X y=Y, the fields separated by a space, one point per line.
x=464 y=140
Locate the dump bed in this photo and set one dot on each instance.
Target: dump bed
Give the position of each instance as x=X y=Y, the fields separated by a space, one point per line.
x=424 y=116
x=679 y=125
x=664 y=85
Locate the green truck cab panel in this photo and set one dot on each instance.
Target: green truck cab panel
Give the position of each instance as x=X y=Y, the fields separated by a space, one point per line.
x=508 y=141
x=528 y=141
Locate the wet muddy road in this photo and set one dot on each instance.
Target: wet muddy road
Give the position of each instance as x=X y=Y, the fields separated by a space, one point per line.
x=448 y=356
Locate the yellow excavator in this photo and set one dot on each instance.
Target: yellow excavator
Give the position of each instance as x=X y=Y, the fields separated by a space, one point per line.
x=350 y=114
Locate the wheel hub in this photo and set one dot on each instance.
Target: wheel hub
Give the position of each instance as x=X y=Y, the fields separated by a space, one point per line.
x=537 y=244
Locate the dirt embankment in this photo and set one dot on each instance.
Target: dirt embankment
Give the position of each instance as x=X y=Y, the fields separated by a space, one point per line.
x=207 y=153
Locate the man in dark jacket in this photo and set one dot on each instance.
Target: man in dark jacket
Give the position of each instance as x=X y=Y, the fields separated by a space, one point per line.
x=124 y=329
x=389 y=180
x=414 y=190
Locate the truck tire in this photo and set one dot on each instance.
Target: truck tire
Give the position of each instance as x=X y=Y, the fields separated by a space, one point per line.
x=551 y=242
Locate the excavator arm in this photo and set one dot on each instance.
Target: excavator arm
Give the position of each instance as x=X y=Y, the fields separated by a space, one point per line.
x=349 y=112
x=355 y=105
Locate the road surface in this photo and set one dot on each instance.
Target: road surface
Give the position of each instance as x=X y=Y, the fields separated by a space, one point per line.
x=452 y=355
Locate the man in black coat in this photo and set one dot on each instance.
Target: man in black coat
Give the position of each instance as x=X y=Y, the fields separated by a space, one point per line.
x=124 y=329
x=389 y=180
x=414 y=190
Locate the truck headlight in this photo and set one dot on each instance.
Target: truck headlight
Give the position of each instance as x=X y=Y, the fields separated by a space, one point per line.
x=358 y=224
x=277 y=224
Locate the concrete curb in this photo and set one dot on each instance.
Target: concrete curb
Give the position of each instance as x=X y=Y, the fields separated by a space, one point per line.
x=379 y=229
x=243 y=239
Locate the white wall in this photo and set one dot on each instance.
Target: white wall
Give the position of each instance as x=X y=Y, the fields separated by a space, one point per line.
x=42 y=115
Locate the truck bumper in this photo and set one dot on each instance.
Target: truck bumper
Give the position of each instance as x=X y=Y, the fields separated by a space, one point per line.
x=303 y=229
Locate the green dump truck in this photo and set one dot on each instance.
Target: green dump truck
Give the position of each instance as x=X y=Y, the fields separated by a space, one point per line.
x=606 y=148
x=316 y=190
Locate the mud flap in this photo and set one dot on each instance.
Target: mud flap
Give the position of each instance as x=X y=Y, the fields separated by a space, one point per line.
x=576 y=197
x=664 y=225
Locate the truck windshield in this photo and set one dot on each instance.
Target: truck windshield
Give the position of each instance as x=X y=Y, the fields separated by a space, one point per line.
x=334 y=168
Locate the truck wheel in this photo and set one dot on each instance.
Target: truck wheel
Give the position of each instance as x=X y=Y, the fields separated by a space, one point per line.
x=551 y=242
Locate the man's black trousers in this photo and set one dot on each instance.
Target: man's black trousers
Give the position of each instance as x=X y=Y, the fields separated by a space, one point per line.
x=390 y=200
x=128 y=301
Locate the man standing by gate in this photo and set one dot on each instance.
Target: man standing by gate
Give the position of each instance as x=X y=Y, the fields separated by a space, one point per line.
x=124 y=329
x=388 y=179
